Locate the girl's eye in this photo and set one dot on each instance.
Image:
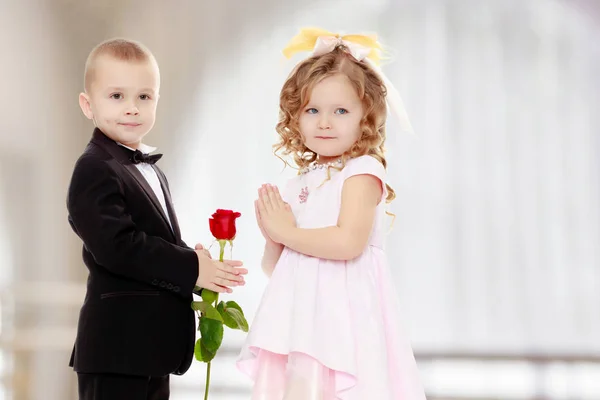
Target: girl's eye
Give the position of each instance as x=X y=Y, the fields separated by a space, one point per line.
x=341 y=111
x=312 y=111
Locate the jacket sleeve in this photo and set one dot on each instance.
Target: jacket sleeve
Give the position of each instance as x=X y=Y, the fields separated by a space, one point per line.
x=97 y=212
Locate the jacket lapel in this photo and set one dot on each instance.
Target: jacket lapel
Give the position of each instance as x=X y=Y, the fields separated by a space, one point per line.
x=169 y=201
x=132 y=169
x=121 y=154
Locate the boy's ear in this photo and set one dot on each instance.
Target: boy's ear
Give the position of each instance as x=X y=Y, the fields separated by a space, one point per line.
x=84 y=103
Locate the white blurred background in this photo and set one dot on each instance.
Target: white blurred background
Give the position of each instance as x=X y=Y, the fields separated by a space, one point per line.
x=496 y=244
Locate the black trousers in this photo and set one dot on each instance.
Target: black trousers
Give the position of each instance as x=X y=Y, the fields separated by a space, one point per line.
x=122 y=387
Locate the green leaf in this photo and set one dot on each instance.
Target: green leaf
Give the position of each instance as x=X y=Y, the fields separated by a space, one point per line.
x=211 y=332
x=207 y=310
x=233 y=316
x=198 y=305
x=209 y=296
x=233 y=304
x=201 y=353
x=212 y=313
x=227 y=318
x=239 y=319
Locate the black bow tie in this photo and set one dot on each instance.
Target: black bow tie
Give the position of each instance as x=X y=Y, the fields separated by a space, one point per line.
x=139 y=157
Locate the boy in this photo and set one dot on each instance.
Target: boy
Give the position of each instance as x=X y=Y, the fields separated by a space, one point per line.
x=136 y=325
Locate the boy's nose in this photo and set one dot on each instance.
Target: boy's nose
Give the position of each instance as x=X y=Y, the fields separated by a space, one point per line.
x=132 y=111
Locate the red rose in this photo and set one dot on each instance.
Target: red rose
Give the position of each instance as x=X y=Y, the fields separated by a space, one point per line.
x=222 y=224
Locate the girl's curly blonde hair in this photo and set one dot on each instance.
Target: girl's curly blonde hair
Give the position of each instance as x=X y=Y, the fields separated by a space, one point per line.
x=295 y=95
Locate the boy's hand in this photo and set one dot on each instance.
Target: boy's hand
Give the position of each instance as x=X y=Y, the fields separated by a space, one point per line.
x=200 y=247
x=219 y=276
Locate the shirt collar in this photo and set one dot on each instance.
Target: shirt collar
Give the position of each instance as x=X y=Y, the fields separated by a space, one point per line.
x=144 y=148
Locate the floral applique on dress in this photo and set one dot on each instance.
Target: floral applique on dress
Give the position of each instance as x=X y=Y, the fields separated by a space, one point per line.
x=303 y=196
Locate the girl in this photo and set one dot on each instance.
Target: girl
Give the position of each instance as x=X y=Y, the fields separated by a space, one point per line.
x=327 y=327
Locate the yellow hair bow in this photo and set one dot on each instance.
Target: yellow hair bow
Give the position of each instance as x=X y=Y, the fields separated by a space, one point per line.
x=320 y=41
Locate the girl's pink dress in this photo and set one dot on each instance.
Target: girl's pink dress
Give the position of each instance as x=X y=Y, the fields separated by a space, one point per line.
x=329 y=329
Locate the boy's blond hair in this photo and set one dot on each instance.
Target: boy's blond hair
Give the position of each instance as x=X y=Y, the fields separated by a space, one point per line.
x=119 y=49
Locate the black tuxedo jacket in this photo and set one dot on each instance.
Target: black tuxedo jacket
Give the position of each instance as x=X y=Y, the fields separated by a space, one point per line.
x=136 y=318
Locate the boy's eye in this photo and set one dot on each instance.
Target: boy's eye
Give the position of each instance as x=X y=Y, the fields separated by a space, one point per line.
x=341 y=111
x=144 y=97
x=116 y=96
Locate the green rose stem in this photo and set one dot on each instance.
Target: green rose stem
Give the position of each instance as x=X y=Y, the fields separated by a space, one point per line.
x=207 y=386
x=213 y=317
